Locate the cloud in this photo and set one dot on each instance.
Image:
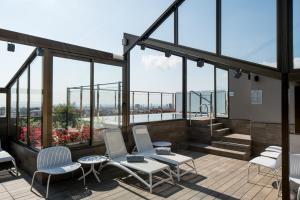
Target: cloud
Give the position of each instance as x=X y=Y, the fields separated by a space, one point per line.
x=271 y=64
x=160 y=62
x=297 y=62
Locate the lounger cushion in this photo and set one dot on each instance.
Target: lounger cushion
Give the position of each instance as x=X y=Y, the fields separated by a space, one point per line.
x=264 y=161
x=135 y=158
x=163 y=150
x=62 y=169
x=5 y=156
x=270 y=154
x=148 y=166
x=173 y=158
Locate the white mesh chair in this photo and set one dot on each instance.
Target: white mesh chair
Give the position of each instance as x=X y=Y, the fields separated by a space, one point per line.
x=6 y=157
x=271 y=163
x=144 y=147
x=54 y=161
x=295 y=171
x=117 y=152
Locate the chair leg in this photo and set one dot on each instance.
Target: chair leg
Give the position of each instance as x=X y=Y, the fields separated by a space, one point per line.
x=150 y=182
x=298 y=194
x=171 y=177
x=47 y=191
x=248 y=172
x=33 y=179
x=194 y=166
x=83 y=176
x=15 y=165
x=277 y=181
x=178 y=173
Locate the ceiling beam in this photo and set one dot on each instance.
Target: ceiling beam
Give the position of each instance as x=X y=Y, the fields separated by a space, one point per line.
x=208 y=57
x=25 y=39
x=154 y=26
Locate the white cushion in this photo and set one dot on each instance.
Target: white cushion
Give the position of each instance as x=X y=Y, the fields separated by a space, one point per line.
x=264 y=161
x=62 y=169
x=295 y=180
x=270 y=154
x=173 y=158
x=271 y=148
x=5 y=156
x=148 y=166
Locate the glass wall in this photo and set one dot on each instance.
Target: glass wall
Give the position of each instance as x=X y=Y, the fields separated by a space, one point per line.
x=2 y=105
x=248 y=31
x=200 y=90
x=71 y=102
x=36 y=95
x=296 y=21
x=13 y=110
x=197 y=24
x=155 y=79
x=165 y=31
x=23 y=108
x=222 y=92
x=108 y=99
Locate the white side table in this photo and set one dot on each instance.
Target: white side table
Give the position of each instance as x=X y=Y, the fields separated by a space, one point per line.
x=162 y=144
x=92 y=160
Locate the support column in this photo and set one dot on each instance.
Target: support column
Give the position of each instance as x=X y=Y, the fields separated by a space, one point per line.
x=47 y=98
x=184 y=87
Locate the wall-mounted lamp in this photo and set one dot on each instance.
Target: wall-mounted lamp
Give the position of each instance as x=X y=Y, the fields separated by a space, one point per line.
x=143 y=47
x=249 y=76
x=256 y=78
x=238 y=73
x=124 y=42
x=11 y=47
x=40 y=51
x=200 y=63
x=168 y=54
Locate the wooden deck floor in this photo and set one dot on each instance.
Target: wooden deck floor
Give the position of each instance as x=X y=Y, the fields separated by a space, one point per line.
x=218 y=178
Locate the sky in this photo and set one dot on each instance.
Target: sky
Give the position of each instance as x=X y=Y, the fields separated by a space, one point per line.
x=248 y=32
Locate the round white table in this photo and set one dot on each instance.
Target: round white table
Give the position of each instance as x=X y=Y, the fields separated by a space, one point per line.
x=92 y=160
x=162 y=144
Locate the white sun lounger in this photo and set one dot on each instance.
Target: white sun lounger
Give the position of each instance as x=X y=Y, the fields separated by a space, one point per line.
x=116 y=151
x=6 y=157
x=144 y=147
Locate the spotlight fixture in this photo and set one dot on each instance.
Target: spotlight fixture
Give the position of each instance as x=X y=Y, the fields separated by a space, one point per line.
x=143 y=47
x=200 y=63
x=168 y=54
x=11 y=47
x=256 y=78
x=238 y=73
x=40 y=51
x=249 y=76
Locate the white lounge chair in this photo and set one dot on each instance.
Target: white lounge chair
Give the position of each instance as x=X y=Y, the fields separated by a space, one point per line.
x=271 y=154
x=295 y=171
x=6 y=157
x=274 y=148
x=144 y=147
x=117 y=152
x=271 y=163
x=54 y=161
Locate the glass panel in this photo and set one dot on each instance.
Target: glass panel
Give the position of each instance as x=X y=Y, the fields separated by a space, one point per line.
x=165 y=31
x=13 y=110
x=249 y=33
x=222 y=92
x=200 y=87
x=197 y=24
x=154 y=73
x=108 y=99
x=296 y=21
x=36 y=103
x=22 y=120
x=71 y=104
x=2 y=105
x=12 y=61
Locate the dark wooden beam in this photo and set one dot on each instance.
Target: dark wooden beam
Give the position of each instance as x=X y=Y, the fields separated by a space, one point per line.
x=211 y=58
x=47 y=98
x=35 y=41
x=154 y=26
x=184 y=88
x=3 y=90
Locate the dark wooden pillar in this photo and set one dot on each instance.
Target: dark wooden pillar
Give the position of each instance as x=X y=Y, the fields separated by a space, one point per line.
x=47 y=98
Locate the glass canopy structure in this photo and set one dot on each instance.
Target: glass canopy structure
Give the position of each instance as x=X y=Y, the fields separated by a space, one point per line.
x=65 y=94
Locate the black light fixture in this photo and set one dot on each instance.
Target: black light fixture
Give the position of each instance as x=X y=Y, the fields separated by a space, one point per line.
x=143 y=47
x=238 y=73
x=249 y=76
x=168 y=54
x=200 y=63
x=40 y=51
x=11 y=47
x=124 y=42
x=256 y=78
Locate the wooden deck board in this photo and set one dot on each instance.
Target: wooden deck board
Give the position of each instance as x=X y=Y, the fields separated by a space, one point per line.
x=218 y=178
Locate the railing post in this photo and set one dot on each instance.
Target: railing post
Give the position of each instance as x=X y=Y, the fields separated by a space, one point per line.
x=98 y=100
x=68 y=107
x=119 y=103
x=133 y=109
x=161 y=105
x=148 y=102
x=81 y=90
x=200 y=104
